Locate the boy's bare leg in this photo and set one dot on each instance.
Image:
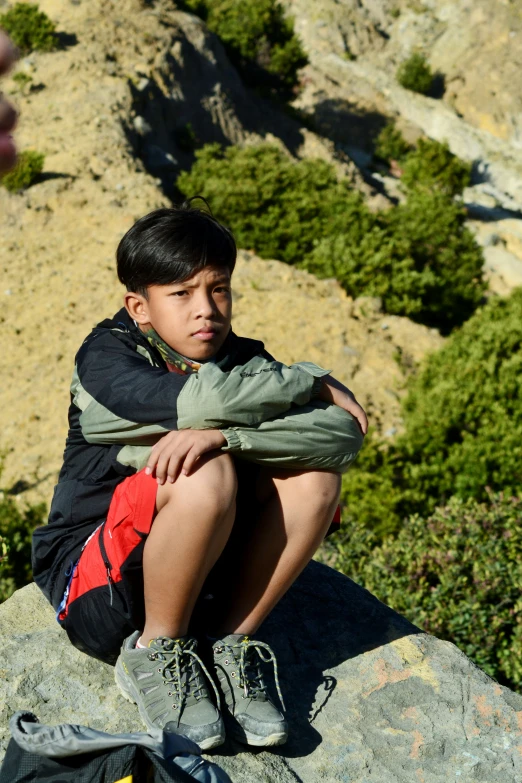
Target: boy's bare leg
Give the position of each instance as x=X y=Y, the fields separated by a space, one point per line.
x=194 y=519
x=297 y=510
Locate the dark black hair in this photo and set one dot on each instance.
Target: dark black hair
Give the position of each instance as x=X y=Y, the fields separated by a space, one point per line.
x=170 y=245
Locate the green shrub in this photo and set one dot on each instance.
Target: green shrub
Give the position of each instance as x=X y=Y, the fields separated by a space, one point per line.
x=415 y=74
x=198 y=7
x=418 y=257
x=390 y=144
x=22 y=80
x=431 y=165
x=457 y=574
x=16 y=526
x=463 y=426
x=30 y=29
x=273 y=204
x=258 y=37
x=25 y=173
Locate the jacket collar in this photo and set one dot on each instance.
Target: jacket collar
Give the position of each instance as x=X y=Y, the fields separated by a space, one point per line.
x=235 y=350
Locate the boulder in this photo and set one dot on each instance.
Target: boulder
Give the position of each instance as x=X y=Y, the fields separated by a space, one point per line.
x=369 y=696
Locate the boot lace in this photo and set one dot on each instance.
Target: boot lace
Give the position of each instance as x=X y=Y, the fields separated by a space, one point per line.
x=252 y=654
x=180 y=670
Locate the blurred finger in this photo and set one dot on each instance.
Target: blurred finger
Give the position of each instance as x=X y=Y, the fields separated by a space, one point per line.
x=8 y=116
x=8 y=53
x=7 y=153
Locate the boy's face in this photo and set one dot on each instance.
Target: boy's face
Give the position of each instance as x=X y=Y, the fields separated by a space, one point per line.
x=192 y=317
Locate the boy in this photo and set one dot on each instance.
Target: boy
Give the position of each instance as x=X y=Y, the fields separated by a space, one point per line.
x=194 y=462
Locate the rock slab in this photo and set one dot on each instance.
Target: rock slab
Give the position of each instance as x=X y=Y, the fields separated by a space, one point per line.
x=370 y=698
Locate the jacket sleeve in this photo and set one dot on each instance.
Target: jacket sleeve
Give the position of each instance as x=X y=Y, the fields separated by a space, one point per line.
x=246 y=395
x=123 y=399
x=316 y=436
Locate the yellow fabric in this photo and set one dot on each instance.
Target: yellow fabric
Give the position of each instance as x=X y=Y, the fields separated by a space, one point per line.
x=128 y=779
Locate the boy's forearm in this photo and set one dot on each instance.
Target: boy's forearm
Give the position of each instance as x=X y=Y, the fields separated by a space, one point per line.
x=315 y=436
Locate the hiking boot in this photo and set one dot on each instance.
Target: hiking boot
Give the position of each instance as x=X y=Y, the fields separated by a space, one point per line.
x=166 y=681
x=249 y=714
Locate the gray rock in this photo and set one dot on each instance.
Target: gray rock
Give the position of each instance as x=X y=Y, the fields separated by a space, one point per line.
x=503 y=270
x=371 y=699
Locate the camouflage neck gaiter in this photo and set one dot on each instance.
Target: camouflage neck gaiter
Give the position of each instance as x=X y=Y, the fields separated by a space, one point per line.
x=175 y=361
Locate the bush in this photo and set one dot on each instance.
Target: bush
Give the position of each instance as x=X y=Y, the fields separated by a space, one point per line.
x=418 y=257
x=432 y=166
x=456 y=574
x=29 y=166
x=30 y=29
x=463 y=426
x=429 y=165
x=16 y=528
x=390 y=144
x=258 y=37
x=22 y=80
x=415 y=74
x=273 y=204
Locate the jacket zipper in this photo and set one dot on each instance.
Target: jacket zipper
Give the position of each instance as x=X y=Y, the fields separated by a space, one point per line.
x=106 y=561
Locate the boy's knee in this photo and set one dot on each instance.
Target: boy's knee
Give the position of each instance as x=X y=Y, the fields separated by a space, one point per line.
x=213 y=482
x=324 y=486
x=318 y=489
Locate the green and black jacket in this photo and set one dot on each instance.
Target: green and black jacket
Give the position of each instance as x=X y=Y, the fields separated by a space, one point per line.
x=123 y=399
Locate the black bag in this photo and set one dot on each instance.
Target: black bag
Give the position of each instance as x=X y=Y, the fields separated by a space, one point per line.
x=128 y=764
x=70 y=753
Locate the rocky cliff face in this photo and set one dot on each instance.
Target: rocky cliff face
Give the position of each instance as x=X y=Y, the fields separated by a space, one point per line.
x=475 y=44
x=350 y=90
x=370 y=698
x=132 y=81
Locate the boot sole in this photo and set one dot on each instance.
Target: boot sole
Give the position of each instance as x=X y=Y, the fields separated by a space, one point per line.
x=128 y=691
x=257 y=740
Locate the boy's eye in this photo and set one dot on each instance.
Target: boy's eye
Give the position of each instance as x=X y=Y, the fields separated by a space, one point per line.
x=179 y=293
x=222 y=289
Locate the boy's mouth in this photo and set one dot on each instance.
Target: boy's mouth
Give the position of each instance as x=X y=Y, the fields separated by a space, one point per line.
x=206 y=333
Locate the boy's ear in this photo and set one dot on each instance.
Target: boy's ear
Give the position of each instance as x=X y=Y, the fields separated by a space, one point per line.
x=137 y=307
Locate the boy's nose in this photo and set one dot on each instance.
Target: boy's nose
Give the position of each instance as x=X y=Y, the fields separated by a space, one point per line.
x=205 y=306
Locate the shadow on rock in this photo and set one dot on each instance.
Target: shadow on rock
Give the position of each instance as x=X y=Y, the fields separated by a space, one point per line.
x=217 y=108
x=347 y=124
x=324 y=620
x=66 y=40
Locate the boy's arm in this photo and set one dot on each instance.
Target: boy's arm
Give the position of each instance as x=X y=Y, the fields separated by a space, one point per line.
x=123 y=399
x=315 y=436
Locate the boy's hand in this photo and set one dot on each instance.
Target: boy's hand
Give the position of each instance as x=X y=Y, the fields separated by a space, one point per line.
x=334 y=391
x=179 y=450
